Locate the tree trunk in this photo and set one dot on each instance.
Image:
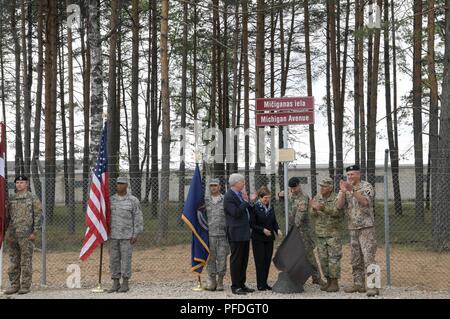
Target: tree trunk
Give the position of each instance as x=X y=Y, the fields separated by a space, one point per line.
x=338 y=106
x=441 y=217
x=37 y=118
x=312 y=143
x=244 y=62
x=225 y=95
x=113 y=106
x=393 y=148
x=372 y=109
x=182 y=168
x=358 y=74
x=365 y=134
x=71 y=166
x=331 y=169
x=282 y=91
x=154 y=180
x=236 y=86
x=394 y=75
x=273 y=25
x=86 y=58
x=162 y=235
x=214 y=76
x=50 y=106
x=3 y=96
x=434 y=106
x=146 y=159
x=19 y=165
x=417 y=110
x=135 y=176
x=96 y=104
x=27 y=78
x=259 y=91
x=63 y=115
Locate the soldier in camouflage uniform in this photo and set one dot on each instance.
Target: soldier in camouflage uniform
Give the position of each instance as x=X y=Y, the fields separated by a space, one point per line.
x=23 y=220
x=218 y=243
x=300 y=217
x=357 y=197
x=328 y=221
x=126 y=224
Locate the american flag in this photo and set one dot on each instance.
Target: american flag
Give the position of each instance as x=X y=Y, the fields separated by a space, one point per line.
x=98 y=208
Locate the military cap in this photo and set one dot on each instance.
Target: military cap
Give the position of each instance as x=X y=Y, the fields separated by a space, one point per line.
x=122 y=180
x=294 y=182
x=214 y=181
x=327 y=181
x=20 y=178
x=352 y=168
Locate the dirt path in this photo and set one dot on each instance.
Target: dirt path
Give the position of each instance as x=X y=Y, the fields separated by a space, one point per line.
x=411 y=269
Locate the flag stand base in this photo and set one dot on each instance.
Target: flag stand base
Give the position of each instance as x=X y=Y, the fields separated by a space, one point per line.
x=98 y=289
x=199 y=286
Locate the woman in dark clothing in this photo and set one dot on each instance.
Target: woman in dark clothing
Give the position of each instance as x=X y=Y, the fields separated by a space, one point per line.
x=264 y=226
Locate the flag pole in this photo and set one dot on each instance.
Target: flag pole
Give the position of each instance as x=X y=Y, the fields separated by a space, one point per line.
x=198 y=158
x=99 y=288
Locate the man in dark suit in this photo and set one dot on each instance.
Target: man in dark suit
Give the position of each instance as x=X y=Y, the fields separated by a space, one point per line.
x=236 y=206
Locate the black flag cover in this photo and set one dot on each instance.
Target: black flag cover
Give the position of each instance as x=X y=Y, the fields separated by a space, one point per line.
x=291 y=257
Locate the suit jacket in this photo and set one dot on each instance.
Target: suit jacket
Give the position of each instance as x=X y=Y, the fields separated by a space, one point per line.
x=259 y=220
x=236 y=217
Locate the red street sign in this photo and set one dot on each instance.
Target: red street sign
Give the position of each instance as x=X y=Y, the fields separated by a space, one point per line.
x=284 y=118
x=303 y=103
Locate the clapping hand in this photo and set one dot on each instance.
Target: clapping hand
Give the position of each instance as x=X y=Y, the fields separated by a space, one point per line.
x=315 y=205
x=345 y=186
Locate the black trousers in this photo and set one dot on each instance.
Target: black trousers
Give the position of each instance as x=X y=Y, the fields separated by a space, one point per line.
x=238 y=263
x=262 y=253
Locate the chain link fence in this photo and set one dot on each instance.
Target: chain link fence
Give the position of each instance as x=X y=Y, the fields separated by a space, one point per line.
x=162 y=253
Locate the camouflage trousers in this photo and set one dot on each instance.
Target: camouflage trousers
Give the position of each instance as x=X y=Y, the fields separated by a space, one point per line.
x=363 y=247
x=330 y=254
x=21 y=261
x=218 y=252
x=310 y=244
x=120 y=251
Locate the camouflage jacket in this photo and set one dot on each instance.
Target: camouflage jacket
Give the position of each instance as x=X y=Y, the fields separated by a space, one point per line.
x=358 y=216
x=216 y=217
x=299 y=214
x=24 y=214
x=328 y=221
x=126 y=217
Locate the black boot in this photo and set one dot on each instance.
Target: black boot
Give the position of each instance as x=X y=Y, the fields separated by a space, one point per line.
x=124 y=287
x=115 y=287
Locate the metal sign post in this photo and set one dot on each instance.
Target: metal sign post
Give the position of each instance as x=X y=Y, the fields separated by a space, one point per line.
x=286 y=190
x=285 y=111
